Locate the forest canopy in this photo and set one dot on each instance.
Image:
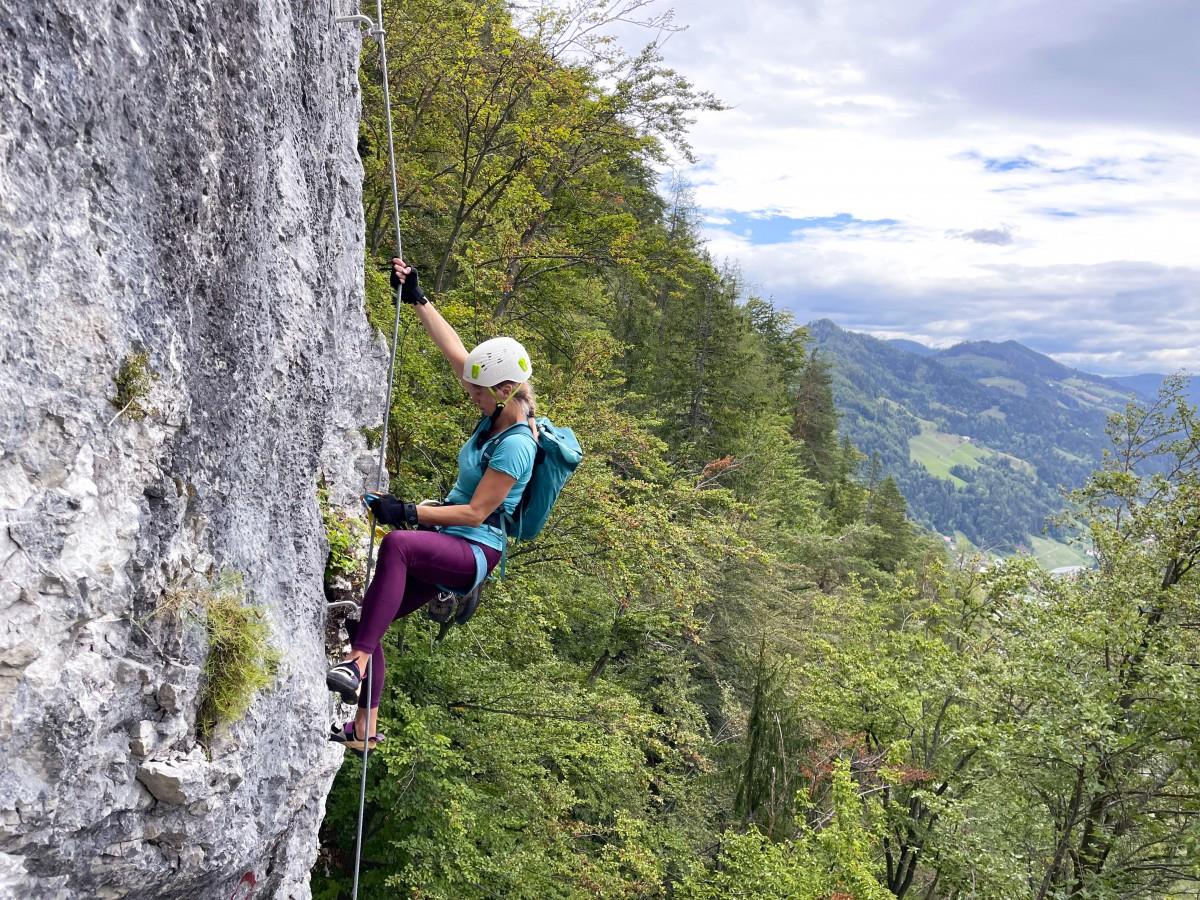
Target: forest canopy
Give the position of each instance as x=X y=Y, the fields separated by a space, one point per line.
x=731 y=666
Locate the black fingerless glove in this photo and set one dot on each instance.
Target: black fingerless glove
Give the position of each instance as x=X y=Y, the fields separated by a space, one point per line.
x=410 y=290
x=390 y=511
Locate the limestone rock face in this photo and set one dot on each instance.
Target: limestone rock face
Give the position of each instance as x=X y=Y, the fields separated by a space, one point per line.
x=177 y=178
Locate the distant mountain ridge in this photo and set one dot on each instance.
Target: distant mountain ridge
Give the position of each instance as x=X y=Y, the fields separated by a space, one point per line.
x=912 y=347
x=1007 y=356
x=1145 y=386
x=983 y=436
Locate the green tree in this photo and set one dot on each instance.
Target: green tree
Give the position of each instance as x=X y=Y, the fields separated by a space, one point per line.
x=887 y=510
x=836 y=860
x=815 y=417
x=1103 y=669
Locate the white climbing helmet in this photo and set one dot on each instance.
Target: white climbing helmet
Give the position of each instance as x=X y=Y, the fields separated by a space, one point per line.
x=496 y=360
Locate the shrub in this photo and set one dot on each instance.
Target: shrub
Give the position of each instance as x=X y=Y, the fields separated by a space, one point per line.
x=373 y=435
x=133 y=380
x=240 y=660
x=345 y=535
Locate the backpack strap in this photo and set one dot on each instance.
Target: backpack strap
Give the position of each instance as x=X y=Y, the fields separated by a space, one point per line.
x=498 y=518
x=489 y=449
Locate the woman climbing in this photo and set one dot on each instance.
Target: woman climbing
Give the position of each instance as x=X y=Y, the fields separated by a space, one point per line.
x=414 y=565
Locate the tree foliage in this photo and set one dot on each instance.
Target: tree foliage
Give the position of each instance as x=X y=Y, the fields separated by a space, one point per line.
x=730 y=666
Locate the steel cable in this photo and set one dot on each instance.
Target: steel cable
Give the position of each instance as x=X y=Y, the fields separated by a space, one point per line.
x=397 y=346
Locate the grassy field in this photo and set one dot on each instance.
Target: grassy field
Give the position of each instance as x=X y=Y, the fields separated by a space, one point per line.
x=1052 y=554
x=964 y=547
x=938 y=452
x=1097 y=394
x=1049 y=553
x=1019 y=464
x=1071 y=456
x=1006 y=384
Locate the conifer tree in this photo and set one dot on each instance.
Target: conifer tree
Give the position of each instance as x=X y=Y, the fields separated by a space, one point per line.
x=814 y=417
x=887 y=510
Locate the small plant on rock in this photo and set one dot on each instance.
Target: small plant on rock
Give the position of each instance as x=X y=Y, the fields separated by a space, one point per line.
x=373 y=435
x=240 y=661
x=134 y=380
x=345 y=535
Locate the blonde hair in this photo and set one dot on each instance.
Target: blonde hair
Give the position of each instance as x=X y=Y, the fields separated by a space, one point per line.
x=525 y=394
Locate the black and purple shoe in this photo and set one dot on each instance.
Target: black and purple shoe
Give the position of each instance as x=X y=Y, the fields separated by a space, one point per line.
x=345 y=679
x=346 y=735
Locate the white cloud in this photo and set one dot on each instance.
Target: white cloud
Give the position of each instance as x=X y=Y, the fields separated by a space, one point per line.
x=1041 y=159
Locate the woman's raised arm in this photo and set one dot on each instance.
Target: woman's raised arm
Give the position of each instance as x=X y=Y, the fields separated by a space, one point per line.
x=441 y=331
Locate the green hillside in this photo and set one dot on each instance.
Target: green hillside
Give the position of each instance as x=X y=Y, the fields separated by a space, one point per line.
x=1052 y=554
x=981 y=437
x=939 y=452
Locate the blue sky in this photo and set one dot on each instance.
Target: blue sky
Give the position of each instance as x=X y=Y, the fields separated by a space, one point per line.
x=769 y=227
x=949 y=171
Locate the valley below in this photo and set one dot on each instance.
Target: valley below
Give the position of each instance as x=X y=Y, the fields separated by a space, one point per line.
x=984 y=439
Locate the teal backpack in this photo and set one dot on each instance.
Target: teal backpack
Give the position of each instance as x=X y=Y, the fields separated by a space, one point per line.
x=558 y=456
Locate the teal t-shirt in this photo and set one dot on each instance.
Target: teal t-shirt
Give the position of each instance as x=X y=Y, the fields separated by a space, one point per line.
x=513 y=455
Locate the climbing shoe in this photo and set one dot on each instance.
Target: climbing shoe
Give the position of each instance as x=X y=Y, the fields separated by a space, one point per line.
x=344 y=679
x=346 y=735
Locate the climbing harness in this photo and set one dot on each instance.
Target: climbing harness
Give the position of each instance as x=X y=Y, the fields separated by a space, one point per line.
x=376 y=31
x=451 y=606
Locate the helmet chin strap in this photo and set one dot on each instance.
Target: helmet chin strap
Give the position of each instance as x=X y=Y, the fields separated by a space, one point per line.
x=500 y=402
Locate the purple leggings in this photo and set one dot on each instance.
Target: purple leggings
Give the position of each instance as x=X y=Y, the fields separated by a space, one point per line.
x=411 y=565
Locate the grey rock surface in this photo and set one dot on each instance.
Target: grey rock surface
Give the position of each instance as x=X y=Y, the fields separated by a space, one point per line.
x=178 y=178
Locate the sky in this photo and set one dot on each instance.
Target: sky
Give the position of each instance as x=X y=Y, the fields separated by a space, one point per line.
x=948 y=171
